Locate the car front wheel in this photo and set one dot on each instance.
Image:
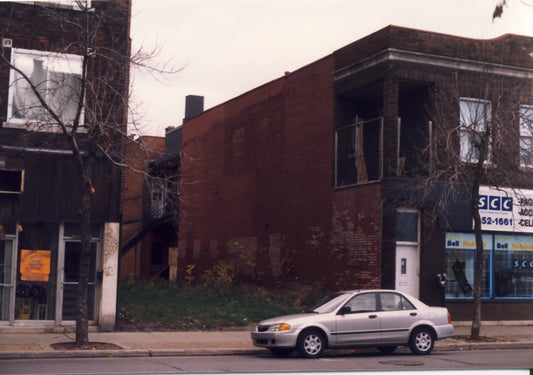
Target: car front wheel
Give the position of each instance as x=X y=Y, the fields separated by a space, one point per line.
x=311 y=343
x=422 y=341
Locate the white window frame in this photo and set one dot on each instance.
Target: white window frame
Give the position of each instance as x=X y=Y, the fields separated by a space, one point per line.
x=65 y=4
x=526 y=135
x=471 y=127
x=70 y=64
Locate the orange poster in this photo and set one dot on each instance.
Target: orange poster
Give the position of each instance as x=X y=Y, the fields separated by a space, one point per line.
x=35 y=265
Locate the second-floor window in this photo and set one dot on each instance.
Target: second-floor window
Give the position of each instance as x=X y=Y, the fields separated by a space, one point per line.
x=474 y=117
x=57 y=78
x=526 y=135
x=359 y=152
x=65 y=4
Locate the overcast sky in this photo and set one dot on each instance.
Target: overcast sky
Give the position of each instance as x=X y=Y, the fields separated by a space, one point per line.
x=227 y=47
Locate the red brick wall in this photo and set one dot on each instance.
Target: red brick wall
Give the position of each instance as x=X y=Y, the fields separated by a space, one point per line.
x=257 y=171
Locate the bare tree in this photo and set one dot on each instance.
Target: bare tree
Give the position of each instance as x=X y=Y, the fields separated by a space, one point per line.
x=80 y=89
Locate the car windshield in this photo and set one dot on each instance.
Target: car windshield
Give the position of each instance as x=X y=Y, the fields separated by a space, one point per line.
x=329 y=303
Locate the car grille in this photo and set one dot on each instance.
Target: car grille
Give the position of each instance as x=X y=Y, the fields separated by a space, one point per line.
x=262 y=328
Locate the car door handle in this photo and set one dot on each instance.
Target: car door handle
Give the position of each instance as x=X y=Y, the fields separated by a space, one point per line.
x=372 y=316
x=413 y=314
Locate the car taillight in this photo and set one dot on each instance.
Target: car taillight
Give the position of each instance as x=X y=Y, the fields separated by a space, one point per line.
x=449 y=318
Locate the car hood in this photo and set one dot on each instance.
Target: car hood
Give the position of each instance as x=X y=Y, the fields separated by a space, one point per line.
x=287 y=318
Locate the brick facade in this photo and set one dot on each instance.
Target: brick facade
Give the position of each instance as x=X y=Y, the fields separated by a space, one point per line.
x=259 y=172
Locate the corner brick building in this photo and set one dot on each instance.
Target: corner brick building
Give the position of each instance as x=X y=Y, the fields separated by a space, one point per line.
x=300 y=179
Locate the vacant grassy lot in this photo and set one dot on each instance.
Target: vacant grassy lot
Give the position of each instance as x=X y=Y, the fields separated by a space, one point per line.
x=161 y=305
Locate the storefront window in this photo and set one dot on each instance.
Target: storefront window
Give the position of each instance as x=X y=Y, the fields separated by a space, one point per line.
x=39 y=271
x=36 y=271
x=460 y=265
x=513 y=266
x=508 y=265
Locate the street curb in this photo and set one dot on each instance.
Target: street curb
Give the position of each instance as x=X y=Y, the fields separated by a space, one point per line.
x=124 y=353
x=485 y=346
x=128 y=353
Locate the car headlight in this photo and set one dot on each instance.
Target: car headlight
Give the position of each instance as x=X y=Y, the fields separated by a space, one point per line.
x=280 y=327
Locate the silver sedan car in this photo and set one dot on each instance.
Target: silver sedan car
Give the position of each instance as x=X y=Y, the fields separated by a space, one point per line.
x=381 y=318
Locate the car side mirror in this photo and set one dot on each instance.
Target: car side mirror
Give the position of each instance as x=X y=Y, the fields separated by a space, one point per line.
x=345 y=310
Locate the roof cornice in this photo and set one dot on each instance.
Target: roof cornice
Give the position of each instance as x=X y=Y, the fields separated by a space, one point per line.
x=435 y=61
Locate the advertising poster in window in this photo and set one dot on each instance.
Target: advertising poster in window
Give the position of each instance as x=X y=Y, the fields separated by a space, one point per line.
x=505 y=210
x=35 y=265
x=460 y=263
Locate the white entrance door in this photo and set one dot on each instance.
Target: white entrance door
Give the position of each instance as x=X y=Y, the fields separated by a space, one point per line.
x=407 y=268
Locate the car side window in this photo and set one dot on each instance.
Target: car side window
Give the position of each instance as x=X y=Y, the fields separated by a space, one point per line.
x=362 y=303
x=390 y=301
x=407 y=305
x=394 y=301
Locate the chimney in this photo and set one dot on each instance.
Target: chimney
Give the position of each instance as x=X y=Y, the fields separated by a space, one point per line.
x=194 y=105
x=173 y=140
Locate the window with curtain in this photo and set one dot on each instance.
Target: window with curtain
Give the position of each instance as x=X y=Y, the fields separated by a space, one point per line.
x=65 y=4
x=526 y=135
x=57 y=79
x=474 y=117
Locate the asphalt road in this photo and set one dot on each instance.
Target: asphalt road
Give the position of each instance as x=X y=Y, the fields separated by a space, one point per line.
x=456 y=362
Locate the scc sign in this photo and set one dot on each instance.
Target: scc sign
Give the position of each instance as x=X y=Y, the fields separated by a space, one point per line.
x=522 y=263
x=495 y=203
x=506 y=210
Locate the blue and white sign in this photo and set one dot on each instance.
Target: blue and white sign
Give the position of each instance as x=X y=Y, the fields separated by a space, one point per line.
x=467 y=241
x=506 y=210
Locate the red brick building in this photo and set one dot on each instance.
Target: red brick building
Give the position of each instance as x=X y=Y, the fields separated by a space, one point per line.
x=296 y=180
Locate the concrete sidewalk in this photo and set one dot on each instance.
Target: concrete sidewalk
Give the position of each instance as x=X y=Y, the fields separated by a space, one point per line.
x=14 y=343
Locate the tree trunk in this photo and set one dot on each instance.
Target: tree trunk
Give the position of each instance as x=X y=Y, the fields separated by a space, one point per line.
x=478 y=267
x=84 y=266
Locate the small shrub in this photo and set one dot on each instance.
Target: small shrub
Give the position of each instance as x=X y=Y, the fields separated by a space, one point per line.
x=188 y=273
x=220 y=277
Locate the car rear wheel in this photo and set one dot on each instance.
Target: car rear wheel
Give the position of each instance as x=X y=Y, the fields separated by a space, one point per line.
x=422 y=341
x=311 y=343
x=387 y=349
x=280 y=352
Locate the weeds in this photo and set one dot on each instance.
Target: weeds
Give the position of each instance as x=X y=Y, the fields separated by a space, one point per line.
x=162 y=305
